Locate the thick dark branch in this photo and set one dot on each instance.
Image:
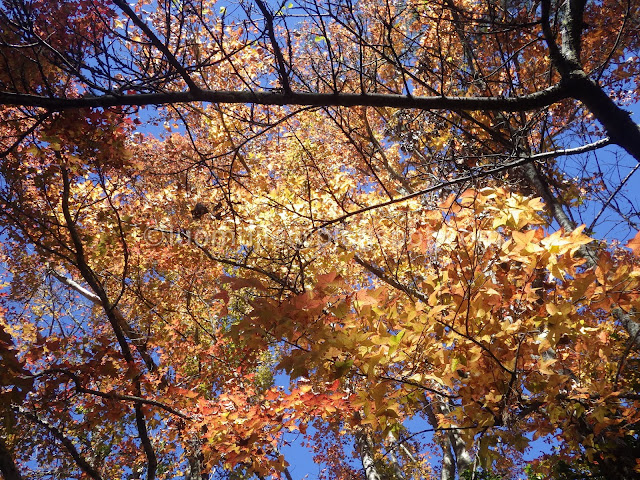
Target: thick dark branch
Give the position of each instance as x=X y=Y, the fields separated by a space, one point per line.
x=618 y=123
x=277 y=52
x=565 y=57
x=533 y=101
x=88 y=274
x=152 y=460
x=622 y=130
x=557 y=59
x=131 y=333
x=572 y=30
x=7 y=464
x=68 y=444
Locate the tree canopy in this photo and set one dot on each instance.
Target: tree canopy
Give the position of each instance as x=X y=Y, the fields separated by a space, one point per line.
x=401 y=233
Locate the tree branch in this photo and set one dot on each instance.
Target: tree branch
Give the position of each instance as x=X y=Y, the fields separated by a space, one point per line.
x=7 y=464
x=86 y=271
x=110 y=395
x=68 y=444
x=227 y=261
x=533 y=101
x=173 y=61
x=283 y=75
x=129 y=331
x=152 y=460
x=618 y=123
x=479 y=173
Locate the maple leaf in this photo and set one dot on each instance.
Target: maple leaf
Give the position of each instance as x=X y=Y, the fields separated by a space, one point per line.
x=373 y=212
x=634 y=244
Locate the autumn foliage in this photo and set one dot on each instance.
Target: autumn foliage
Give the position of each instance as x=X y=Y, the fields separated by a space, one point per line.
x=397 y=234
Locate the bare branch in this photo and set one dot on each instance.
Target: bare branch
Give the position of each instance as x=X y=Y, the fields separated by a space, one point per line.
x=533 y=101
x=173 y=61
x=283 y=75
x=478 y=173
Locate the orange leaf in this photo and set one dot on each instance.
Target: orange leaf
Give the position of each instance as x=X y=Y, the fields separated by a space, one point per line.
x=634 y=244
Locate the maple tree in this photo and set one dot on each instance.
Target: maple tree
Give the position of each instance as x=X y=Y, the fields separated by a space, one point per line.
x=373 y=227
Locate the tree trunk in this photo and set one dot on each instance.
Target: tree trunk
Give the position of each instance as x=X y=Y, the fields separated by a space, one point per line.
x=364 y=445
